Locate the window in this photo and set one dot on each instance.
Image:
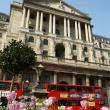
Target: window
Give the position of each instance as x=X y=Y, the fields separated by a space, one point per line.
x=45 y=42
x=0 y=34
x=74 y=47
x=86 y=59
x=32 y=16
x=31 y=28
x=85 y=49
x=44 y=30
x=44 y=19
x=31 y=39
x=57 y=32
x=74 y=58
x=100 y=45
x=57 y=22
x=103 y=59
x=45 y=53
x=109 y=54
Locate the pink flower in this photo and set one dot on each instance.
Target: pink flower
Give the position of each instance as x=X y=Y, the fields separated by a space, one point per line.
x=84 y=103
x=14 y=106
x=33 y=99
x=11 y=96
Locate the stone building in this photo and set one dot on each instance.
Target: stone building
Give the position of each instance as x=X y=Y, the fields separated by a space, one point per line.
x=61 y=35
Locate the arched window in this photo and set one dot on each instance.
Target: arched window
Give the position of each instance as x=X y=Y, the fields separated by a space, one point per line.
x=45 y=42
x=60 y=50
x=31 y=39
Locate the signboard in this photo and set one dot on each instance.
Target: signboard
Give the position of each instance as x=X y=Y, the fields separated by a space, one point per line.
x=85 y=95
x=91 y=103
x=4 y=93
x=63 y=95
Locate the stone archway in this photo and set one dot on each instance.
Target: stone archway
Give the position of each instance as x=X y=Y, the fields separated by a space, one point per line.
x=60 y=50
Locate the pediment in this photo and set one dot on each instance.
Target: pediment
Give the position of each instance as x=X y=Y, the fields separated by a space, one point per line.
x=59 y=5
x=67 y=8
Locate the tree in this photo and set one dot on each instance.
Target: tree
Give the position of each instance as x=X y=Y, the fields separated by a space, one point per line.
x=16 y=58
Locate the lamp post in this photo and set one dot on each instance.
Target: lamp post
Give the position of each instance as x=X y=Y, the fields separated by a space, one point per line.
x=39 y=71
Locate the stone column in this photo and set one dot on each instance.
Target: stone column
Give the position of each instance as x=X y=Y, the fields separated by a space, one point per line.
x=90 y=34
x=55 y=78
x=86 y=32
x=73 y=79
x=54 y=25
x=79 y=30
x=50 y=24
x=65 y=30
x=41 y=21
x=68 y=27
x=37 y=21
x=99 y=81
x=23 y=17
x=27 y=19
x=76 y=30
x=87 y=81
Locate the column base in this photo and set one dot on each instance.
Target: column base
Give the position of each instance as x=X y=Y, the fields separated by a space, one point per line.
x=78 y=40
x=53 y=35
x=39 y=32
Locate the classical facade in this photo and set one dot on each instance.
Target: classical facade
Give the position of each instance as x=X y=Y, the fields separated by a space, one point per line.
x=61 y=35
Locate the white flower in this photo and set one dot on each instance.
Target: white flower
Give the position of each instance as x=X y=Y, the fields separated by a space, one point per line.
x=61 y=108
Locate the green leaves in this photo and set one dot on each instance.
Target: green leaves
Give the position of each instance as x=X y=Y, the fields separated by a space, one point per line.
x=17 y=57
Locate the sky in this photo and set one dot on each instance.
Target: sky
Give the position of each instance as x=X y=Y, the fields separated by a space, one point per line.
x=98 y=10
